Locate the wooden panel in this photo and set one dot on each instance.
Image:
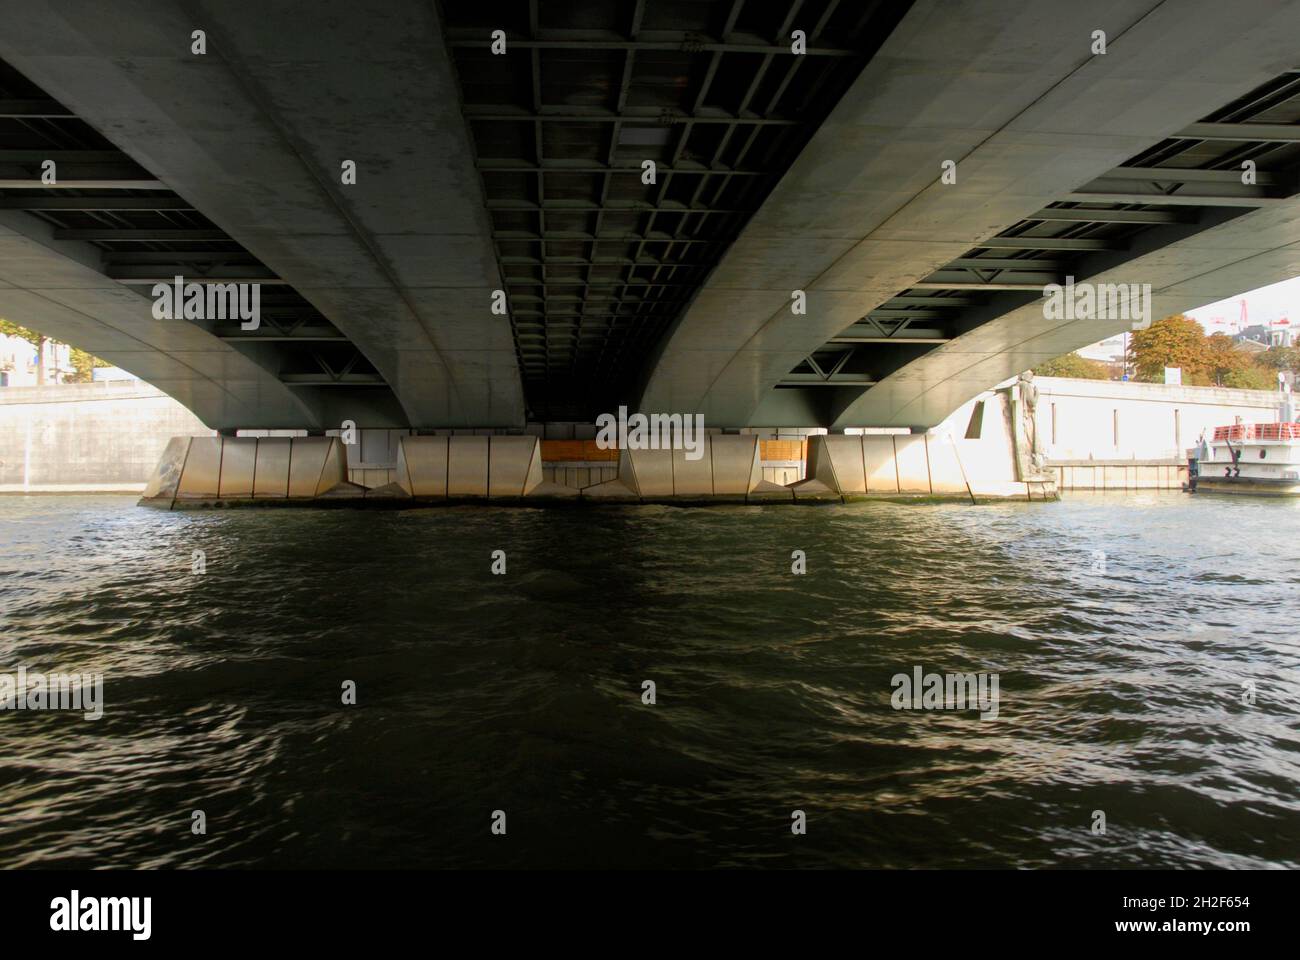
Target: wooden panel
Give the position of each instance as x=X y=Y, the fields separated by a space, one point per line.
x=782 y=449
x=561 y=450
x=576 y=451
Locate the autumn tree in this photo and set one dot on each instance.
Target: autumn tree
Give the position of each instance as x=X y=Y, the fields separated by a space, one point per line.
x=1280 y=358
x=1073 y=365
x=1251 y=377
x=1222 y=359
x=1176 y=341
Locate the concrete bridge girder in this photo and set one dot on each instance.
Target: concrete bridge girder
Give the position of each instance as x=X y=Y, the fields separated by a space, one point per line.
x=1248 y=251
x=254 y=134
x=1011 y=93
x=55 y=286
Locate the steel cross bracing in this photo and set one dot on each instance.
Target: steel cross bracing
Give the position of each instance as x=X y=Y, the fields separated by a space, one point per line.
x=597 y=263
x=145 y=234
x=1189 y=179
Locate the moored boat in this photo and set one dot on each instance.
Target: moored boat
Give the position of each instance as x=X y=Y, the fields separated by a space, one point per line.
x=1251 y=458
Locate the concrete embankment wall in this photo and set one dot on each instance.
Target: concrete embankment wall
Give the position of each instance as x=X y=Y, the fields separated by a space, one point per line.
x=1106 y=435
x=86 y=436
x=1120 y=475
x=1110 y=421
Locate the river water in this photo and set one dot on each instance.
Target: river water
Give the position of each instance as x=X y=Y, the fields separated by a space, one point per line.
x=1127 y=634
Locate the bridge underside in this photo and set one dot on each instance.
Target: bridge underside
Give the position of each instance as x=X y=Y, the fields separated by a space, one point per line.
x=647 y=184
x=388 y=279
x=923 y=293
x=622 y=147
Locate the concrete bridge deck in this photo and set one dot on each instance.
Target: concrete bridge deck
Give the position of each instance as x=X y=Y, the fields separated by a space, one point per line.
x=645 y=186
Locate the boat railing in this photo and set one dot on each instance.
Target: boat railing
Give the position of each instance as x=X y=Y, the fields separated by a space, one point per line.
x=1258 y=431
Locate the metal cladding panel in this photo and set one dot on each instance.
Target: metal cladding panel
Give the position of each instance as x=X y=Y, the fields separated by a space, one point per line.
x=845 y=454
x=913 y=466
x=271 y=479
x=736 y=467
x=509 y=461
x=878 y=461
x=422 y=466
x=201 y=477
x=238 y=463
x=653 y=470
x=166 y=476
x=467 y=466
x=691 y=478
x=946 y=474
x=306 y=463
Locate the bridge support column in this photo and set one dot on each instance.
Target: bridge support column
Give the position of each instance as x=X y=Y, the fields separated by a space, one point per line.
x=981 y=465
x=221 y=471
x=313 y=471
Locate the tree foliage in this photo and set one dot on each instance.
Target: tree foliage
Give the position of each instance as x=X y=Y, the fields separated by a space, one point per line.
x=1223 y=359
x=1281 y=358
x=1251 y=377
x=11 y=329
x=1216 y=360
x=1073 y=365
x=1179 y=341
x=1176 y=341
x=83 y=363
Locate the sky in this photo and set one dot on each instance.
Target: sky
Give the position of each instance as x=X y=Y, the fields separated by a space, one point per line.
x=1263 y=305
x=1274 y=302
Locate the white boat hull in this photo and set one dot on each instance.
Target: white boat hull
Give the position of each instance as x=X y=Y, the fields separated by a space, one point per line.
x=1252 y=465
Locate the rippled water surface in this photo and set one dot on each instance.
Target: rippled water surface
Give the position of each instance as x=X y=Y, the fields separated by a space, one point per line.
x=1120 y=692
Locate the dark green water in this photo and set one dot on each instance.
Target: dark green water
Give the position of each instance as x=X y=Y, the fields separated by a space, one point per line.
x=1119 y=692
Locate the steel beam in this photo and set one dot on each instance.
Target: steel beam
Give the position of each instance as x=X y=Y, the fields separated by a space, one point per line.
x=999 y=263
x=853 y=339
x=321 y=380
x=961 y=285
x=663 y=40
x=34 y=183
x=1172 y=199
x=894 y=302
x=1046 y=243
x=1177 y=175
x=836 y=380
x=32 y=109
x=64 y=156
x=684 y=167
x=1075 y=215
x=140 y=235
x=93 y=203
x=1247 y=132
x=640 y=116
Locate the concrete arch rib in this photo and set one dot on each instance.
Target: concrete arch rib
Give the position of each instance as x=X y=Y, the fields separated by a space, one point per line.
x=253 y=134
x=1011 y=93
x=1241 y=253
x=50 y=286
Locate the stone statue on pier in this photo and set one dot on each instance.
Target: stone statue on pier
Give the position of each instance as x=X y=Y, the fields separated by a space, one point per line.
x=1028 y=413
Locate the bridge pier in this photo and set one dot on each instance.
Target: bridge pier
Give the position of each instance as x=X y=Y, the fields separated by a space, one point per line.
x=724 y=468
x=912 y=467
